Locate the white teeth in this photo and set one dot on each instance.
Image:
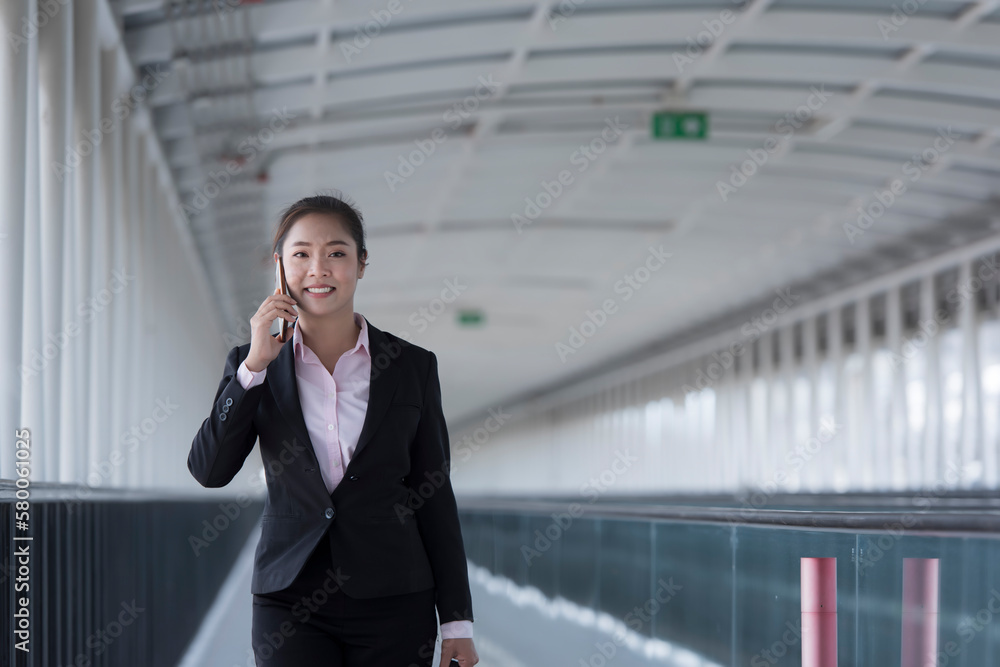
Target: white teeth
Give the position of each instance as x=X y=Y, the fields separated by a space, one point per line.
x=319 y=290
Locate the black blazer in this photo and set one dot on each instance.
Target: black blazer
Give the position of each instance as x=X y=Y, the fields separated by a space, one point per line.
x=393 y=519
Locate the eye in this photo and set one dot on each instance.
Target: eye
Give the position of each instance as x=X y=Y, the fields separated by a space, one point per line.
x=339 y=253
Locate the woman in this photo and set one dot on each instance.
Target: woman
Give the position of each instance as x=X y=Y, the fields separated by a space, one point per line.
x=360 y=537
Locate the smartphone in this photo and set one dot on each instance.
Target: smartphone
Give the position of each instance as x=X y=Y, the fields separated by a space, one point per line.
x=282 y=289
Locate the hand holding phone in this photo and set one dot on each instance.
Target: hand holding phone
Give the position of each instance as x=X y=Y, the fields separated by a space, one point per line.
x=265 y=346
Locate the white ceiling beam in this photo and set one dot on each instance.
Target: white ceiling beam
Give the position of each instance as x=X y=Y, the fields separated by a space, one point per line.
x=489 y=118
x=719 y=45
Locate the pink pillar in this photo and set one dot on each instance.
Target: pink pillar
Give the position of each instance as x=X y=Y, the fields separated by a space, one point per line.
x=920 y=612
x=819 y=612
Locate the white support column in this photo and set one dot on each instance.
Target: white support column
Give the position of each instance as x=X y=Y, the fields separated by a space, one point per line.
x=839 y=475
x=724 y=454
x=744 y=424
x=765 y=442
x=56 y=82
x=932 y=442
x=118 y=312
x=812 y=470
x=86 y=117
x=972 y=380
x=867 y=464
x=786 y=342
x=142 y=364
x=34 y=365
x=13 y=126
x=100 y=378
x=151 y=222
x=901 y=470
x=128 y=316
x=662 y=459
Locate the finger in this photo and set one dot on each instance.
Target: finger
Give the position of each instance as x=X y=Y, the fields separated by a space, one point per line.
x=280 y=298
x=283 y=311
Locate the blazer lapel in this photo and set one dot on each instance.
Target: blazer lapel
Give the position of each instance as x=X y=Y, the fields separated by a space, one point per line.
x=383 y=384
x=285 y=390
x=382 y=387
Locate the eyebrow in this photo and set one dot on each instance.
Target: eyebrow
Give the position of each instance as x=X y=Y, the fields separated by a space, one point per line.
x=306 y=243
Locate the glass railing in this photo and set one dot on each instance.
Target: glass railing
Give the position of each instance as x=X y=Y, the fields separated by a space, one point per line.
x=732 y=573
x=111 y=577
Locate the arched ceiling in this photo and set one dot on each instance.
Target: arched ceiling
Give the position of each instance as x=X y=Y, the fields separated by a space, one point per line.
x=295 y=98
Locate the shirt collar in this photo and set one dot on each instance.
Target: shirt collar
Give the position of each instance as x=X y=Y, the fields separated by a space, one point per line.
x=298 y=345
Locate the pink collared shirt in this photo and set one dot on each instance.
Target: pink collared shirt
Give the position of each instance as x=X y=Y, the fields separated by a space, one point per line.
x=334 y=408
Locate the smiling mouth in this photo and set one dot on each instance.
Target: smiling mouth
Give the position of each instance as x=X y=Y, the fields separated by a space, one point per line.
x=319 y=290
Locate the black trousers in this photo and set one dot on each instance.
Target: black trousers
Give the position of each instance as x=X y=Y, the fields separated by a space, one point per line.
x=314 y=623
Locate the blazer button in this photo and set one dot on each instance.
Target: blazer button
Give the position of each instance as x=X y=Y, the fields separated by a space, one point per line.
x=229 y=401
x=352 y=477
x=329 y=513
x=310 y=469
x=222 y=417
x=225 y=408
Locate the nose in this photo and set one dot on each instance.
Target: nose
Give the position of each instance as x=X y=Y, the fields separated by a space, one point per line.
x=318 y=267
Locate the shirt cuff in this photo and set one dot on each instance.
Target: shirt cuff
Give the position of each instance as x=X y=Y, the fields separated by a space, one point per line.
x=247 y=377
x=456 y=630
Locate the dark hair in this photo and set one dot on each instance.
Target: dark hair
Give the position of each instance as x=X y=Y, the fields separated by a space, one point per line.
x=338 y=206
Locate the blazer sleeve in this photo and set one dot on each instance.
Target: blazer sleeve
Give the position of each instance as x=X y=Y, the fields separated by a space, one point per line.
x=228 y=435
x=437 y=515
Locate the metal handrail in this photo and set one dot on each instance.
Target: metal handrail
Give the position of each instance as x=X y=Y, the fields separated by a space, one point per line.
x=967 y=514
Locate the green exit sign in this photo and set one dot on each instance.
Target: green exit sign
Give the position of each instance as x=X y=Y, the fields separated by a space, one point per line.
x=470 y=318
x=680 y=125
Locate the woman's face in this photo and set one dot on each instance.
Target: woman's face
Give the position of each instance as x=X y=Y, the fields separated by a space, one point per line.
x=319 y=251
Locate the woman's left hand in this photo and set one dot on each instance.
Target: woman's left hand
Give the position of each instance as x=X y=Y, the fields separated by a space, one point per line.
x=461 y=650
